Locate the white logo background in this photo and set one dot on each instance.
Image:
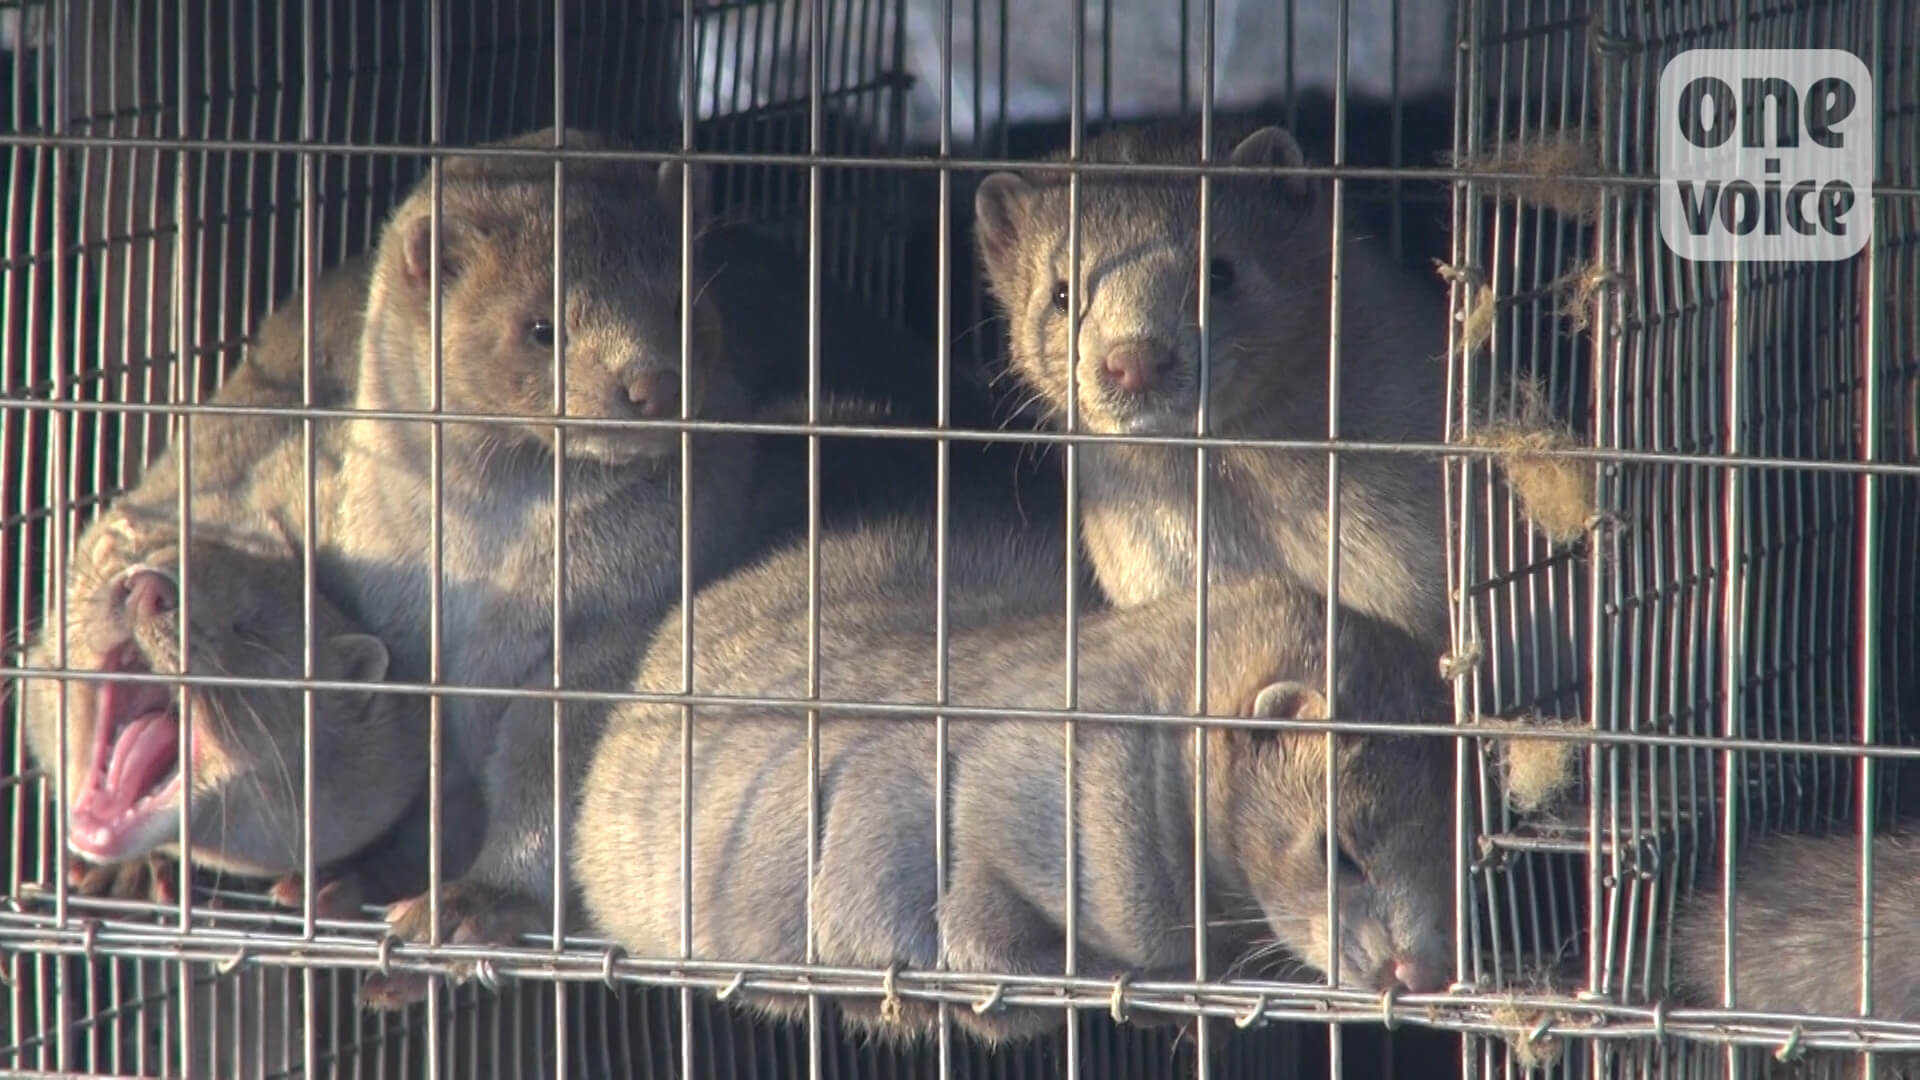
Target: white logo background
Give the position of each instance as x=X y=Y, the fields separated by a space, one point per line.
x=1710 y=187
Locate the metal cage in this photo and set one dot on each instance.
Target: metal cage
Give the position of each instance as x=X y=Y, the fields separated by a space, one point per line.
x=1716 y=602
x=174 y=169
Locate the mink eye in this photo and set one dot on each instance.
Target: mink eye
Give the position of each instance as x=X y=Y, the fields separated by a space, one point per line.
x=1060 y=297
x=540 y=333
x=244 y=628
x=1345 y=863
x=1220 y=277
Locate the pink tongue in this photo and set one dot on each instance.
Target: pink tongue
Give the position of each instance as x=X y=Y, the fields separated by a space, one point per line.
x=143 y=754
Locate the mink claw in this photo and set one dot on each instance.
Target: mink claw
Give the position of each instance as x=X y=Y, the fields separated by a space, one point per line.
x=393 y=991
x=338 y=897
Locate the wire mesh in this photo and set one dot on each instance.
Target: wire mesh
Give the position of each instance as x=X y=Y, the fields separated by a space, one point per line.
x=1698 y=599
x=1712 y=601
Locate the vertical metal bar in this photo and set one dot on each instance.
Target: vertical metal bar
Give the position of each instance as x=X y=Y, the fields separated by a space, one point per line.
x=1870 y=510
x=943 y=392
x=436 y=533
x=561 y=796
x=309 y=275
x=1733 y=622
x=19 y=424
x=816 y=120
x=1076 y=121
x=309 y=272
x=895 y=125
x=158 y=268
x=89 y=183
x=238 y=172
x=1465 y=220
x=1336 y=265
x=183 y=351
x=143 y=361
x=58 y=542
x=1458 y=498
x=1598 y=854
x=58 y=467
x=686 y=530
x=1203 y=1045
x=1733 y=608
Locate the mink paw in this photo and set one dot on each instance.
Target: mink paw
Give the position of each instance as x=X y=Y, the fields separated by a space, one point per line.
x=470 y=914
x=154 y=878
x=336 y=895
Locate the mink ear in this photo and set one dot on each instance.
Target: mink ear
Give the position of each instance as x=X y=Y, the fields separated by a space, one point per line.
x=109 y=535
x=1288 y=700
x=998 y=207
x=1276 y=146
x=416 y=248
x=674 y=177
x=354 y=658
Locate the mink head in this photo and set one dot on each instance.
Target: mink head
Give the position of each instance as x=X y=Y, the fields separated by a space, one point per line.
x=1393 y=823
x=1138 y=366
x=243 y=618
x=618 y=330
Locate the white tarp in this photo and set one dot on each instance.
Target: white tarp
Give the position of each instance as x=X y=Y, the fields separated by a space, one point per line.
x=756 y=55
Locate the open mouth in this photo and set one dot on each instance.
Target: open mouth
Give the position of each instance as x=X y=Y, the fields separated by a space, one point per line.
x=133 y=776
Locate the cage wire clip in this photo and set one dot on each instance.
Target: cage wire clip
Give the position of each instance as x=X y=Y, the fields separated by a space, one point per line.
x=991 y=1001
x=607 y=960
x=1542 y=1029
x=891 y=1007
x=1117 y=1003
x=1608 y=44
x=383 y=955
x=483 y=972
x=733 y=986
x=1388 y=999
x=1790 y=1050
x=1254 y=1017
x=227 y=966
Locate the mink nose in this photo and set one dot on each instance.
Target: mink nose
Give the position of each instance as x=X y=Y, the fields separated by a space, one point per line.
x=1416 y=976
x=1138 y=366
x=655 y=395
x=148 y=593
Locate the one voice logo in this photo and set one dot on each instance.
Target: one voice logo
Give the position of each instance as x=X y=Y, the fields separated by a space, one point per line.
x=1766 y=154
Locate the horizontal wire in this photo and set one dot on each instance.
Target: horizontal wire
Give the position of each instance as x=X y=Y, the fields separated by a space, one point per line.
x=1435 y=173
x=877 y=710
x=1460 y=1009
x=928 y=434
